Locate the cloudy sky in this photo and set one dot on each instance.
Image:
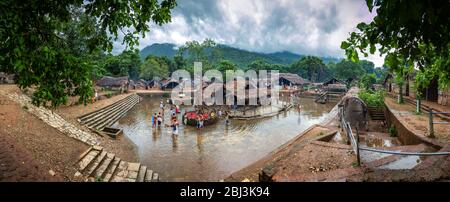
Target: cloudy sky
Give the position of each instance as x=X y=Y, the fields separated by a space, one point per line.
x=308 y=27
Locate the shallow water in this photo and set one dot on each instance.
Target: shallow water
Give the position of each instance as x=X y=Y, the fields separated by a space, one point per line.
x=214 y=152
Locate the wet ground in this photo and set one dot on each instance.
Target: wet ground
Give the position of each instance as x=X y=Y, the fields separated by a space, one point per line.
x=213 y=153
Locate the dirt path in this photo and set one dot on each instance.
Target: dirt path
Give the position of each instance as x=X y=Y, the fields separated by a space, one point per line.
x=418 y=123
x=30 y=138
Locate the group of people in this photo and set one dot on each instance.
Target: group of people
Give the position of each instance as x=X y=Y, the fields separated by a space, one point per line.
x=158 y=119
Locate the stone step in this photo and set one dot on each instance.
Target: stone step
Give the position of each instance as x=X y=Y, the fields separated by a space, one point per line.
x=112 y=170
x=93 y=167
x=101 y=112
x=106 y=114
x=142 y=173
x=121 y=172
x=89 y=115
x=124 y=109
x=110 y=121
x=133 y=171
x=104 y=166
x=88 y=159
x=155 y=177
x=149 y=176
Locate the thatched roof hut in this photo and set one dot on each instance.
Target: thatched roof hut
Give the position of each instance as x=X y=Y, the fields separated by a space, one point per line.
x=292 y=79
x=113 y=82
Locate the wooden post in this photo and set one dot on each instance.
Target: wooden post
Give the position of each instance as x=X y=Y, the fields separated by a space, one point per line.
x=358 y=158
x=430 y=121
x=418 y=103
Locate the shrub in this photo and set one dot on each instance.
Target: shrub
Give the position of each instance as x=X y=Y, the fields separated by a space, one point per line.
x=392 y=131
x=372 y=99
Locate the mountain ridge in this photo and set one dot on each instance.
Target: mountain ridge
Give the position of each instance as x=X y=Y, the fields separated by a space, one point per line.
x=238 y=56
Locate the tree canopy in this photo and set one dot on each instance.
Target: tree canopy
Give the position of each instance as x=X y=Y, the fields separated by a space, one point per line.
x=412 y=33
x=44 y=42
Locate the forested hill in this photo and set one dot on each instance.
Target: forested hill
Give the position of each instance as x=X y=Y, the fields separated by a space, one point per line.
x=239 y=57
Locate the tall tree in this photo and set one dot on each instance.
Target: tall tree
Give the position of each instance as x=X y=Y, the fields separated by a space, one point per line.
x=415 y=31
x=154 y=67
x=348 y=70
x=310 y=67
x=35 y=40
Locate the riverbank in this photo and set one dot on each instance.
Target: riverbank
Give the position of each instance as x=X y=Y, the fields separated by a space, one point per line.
x=307 y=157
x=43 y=144
x=321 y=154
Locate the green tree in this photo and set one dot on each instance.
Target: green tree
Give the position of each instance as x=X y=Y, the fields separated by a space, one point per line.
x=348 y=70
x=367 y=81
x=154 y=67
x=368 y=66
x=36 y=40
x=414 y=32
x=225 y=65
x=310 y=67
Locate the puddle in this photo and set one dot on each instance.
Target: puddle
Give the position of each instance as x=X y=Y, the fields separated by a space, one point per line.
x=407 y=162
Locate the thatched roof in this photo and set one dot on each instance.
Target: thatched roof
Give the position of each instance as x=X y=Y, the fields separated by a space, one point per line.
x=166 y=83
x=334 y=81
x=108 y=81
x=295 y=79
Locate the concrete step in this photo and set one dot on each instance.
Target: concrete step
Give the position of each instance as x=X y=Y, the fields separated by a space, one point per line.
x=133 y=171
x=121 y=172
x=105 y=165
x=101 y=112
x=149 y=176
x=141 y=175
x=108 y=113
x=112 y=117
x=111 y=120
x=93 y=167
x=111 y=170
x=89 y=115
x=88 y=159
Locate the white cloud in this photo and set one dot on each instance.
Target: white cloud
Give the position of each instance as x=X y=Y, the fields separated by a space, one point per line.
x=315 y=27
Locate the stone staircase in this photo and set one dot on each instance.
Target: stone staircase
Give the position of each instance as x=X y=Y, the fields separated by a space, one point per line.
x=376 y=114
x=97 y=165
x=107 y=116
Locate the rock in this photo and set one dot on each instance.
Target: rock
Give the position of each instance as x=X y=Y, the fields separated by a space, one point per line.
x=52 y=173
x=78 y=174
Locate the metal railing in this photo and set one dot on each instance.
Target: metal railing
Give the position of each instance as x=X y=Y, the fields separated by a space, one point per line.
x=357 y=148
x=431 y=122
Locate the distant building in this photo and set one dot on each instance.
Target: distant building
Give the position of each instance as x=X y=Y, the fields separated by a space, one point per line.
x=114 y=83
x=287 y=79
x=169 y=83
x=335 y=86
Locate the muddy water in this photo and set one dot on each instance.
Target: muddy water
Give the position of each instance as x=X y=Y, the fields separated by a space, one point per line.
x=214 y=152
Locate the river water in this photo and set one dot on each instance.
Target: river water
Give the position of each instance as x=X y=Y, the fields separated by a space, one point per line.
x=214 y=152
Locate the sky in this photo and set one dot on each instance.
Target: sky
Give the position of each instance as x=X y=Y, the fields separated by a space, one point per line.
x=307 y=27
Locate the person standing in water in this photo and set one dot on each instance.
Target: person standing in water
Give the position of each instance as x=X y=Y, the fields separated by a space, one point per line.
x=174 y=126
x=159 y=119
x=161 y=105
x=154 y=121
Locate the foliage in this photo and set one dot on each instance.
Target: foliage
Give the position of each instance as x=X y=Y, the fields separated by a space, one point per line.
x=225 y=65
x=347 y=69
x=154 y=67
x=409 y=33
x=242 y=58
x=311 y=68
x=44 y=42
x=393 y=131
x=373 y=99
x=367 y=81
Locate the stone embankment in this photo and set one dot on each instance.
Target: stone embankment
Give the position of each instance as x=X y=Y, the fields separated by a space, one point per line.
x=52 y=119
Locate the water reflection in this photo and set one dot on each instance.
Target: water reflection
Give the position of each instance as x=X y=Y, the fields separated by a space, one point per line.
x=214 y=152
